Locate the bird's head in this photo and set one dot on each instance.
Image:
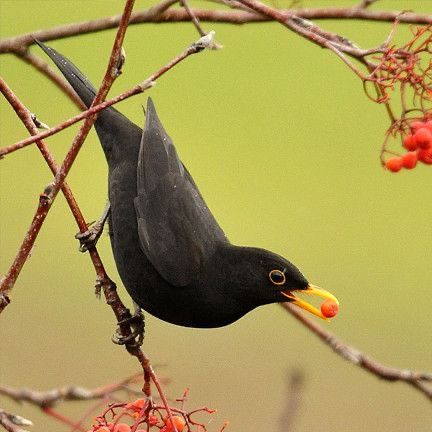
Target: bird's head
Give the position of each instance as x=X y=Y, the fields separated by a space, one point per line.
x=270 y=278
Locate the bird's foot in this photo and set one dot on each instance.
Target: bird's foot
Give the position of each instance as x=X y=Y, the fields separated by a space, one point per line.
x=137 y=324
x=89 y=238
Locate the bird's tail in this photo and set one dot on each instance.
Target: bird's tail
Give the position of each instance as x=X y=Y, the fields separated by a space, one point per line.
x=115 y=131
x=74 y=76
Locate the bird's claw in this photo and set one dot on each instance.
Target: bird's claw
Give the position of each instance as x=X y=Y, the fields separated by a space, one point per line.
x=89 y=238
x=137 y=324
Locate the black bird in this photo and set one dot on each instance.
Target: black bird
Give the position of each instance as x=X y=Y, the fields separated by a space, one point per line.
x=173 y=258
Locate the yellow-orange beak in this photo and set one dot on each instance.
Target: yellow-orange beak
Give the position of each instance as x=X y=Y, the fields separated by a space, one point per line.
x=310 y=290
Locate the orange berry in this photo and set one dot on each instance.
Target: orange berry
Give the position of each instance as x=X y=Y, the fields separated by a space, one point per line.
x=394 y=164
x=410 y=143
x=423 y=138
x=178 y=421
x=152 y=420
x=409 y=160
x=416 y=125
x=425 y=155
x=136 y=405
x=329 y=308
x=103 y=429
x=122 y=427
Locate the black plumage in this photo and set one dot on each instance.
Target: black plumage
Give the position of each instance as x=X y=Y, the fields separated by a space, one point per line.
x=172 y=256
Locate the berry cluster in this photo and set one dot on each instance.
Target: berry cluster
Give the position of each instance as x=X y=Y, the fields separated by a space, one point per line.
x=143 y=415
x=418 y=144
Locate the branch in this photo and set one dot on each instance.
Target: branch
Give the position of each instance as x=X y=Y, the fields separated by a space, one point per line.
x=12 y=422
x=43 y=67
x=26 y=117
x=139 y=88
x=50 y=398
x=421 y=381
x=308 y=30
x=294 y=393
x=51 y=191
x=161 y=14
x=47 y=198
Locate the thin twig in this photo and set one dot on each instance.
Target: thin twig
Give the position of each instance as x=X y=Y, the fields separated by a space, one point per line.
x=307 y=29
x=26 y=117
x=12 y=422
x=295 y=384
x=51 y=191
x=160 y=13
x=43 y=67
x=422 y=381
x=366 y=3
x=192 y=16
x=50 y=398
x=139 y=88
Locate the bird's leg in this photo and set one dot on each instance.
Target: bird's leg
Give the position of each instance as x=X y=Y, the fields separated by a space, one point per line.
x=137 y=323
x=89 y=238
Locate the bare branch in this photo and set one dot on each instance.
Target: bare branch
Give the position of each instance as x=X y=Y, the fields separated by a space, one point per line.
x=27 y=118
x=139 y=88
x=295 y=385
x=161 y=14
x=12 y=422
x=366 y=3
x=43 y=67
x=50 y=192
x=422 y=381
x=50 y=398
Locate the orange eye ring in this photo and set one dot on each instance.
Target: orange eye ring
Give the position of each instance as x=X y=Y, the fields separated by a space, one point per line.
x=277 y=277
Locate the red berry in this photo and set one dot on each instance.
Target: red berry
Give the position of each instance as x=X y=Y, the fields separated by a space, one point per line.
x=416 y=125
x=423 y=138
x=410 y=143
x=409 y=160
x=152 y=420
x=103 y=429
x=429 y=125
x=425 y=155
x=394 y=164
x=122 y=427
x=178 y=421
x=136 y=405
x=329 y=308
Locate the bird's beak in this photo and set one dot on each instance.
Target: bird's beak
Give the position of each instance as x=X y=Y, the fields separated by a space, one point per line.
x=311 y=290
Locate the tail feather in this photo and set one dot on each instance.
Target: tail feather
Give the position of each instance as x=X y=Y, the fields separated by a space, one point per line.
x=74 y=76
x=115 y=131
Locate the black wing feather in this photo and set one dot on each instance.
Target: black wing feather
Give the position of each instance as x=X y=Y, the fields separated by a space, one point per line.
x=177 y=230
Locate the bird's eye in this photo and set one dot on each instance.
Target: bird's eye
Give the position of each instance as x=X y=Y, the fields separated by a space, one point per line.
x=277 y=277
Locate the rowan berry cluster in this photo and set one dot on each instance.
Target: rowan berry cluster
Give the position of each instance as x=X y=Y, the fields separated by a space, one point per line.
x=144 y=416
x=418 y=144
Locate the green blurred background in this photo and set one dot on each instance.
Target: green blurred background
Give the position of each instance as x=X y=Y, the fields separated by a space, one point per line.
x=284 y=145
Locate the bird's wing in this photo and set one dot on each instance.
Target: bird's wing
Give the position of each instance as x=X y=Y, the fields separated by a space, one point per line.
x=177 y=230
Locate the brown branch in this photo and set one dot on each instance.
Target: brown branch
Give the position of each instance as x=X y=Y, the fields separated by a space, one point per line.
x=51 y=191
x=43 y=67
x=12 y=422
x=47 y=198
x=139 y=88
x=50 y=398
x=26 y=117
x=161 y=14
x=308 y=30
x=295 y=384
x=192 y=17
x=421 y=381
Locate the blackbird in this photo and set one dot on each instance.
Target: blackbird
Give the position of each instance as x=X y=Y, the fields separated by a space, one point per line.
x=172 y=256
